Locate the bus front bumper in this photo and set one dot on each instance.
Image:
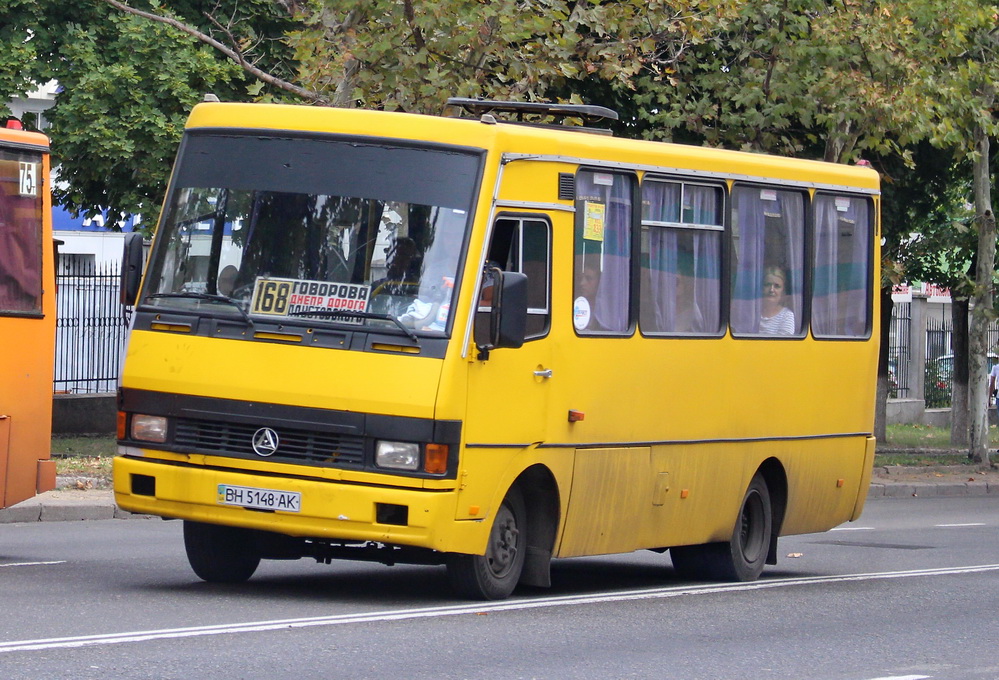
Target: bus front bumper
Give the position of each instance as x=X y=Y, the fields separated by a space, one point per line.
x=326 y=510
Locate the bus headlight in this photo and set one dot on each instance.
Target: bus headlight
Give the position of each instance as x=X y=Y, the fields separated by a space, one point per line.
x=149 y=428
x=397 y=455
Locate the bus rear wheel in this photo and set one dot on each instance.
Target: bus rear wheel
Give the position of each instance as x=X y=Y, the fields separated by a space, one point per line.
x=743 y=556
x=220 y=554
x=494 y=576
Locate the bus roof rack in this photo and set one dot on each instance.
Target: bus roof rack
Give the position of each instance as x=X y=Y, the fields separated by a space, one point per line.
x=587 y=113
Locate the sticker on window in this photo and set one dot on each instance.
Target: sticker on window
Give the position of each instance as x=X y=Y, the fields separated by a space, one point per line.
x=593 y=224
x=28 y=185
x=581 y=313
x=301 y=297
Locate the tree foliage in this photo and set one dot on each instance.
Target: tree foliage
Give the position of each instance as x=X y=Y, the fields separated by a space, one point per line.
x=411 y=56
x=794 y=77
x=126 y=87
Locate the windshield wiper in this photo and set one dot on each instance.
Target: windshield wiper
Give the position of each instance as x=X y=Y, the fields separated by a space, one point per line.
x=209 y=297
x=326 y=313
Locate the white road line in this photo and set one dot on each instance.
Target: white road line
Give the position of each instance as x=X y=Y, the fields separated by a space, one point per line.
x=31 y=564
x=966 y=524
x=453 y=610
x=852 y=529
x=904 y=677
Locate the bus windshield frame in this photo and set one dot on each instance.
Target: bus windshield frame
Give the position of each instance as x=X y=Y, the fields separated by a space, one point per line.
x=315 y=229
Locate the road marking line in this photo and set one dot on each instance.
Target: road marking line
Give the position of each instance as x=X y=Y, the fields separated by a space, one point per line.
x=853 y=529
x=453 y=610
x=904 y=677
x=31 y=564
x=966 y=524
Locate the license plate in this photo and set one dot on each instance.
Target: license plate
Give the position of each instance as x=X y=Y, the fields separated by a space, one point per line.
x=259 y=499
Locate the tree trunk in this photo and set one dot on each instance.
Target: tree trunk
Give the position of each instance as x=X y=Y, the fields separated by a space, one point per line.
x=978 y=398
x=959 y=377
x=881 y=400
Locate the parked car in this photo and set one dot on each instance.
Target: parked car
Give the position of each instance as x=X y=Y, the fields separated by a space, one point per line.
x=945 y=365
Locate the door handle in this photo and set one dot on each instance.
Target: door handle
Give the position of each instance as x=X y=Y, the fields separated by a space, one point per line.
x=547 y=373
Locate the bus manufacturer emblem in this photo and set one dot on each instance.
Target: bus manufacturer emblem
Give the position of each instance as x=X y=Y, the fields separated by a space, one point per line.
x=265 y=441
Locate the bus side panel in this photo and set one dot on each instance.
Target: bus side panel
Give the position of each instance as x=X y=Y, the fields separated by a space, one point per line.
x=633 y=498
x=827 y=480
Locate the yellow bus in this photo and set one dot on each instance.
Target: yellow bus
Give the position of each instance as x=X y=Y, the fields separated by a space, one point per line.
x=27 y=315
x=486 y=344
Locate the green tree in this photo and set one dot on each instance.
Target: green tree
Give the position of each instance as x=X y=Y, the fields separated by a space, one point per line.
x=930 y=199
x=803 y=77
x=950 y=100
x=127 y=85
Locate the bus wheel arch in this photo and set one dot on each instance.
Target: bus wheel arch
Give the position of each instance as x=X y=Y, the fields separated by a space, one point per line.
x=754 y=536
x=520 y=545
x=494 y=574
x=541 y=497
x=776 y=478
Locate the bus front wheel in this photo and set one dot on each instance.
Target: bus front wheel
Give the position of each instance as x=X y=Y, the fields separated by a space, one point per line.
x=220 y=554
x=743 y=556
x=493 y=576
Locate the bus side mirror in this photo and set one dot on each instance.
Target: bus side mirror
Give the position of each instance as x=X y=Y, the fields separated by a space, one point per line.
x=131 y=268
x=508 y=316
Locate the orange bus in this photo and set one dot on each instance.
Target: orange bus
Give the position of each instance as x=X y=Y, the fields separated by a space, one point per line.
x=27 y=315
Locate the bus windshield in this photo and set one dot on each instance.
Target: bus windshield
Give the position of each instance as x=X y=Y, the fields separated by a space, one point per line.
x=320 y=230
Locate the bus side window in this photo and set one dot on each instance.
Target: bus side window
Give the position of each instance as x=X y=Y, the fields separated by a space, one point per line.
x=521 y=244
x=841 y=288
x=681 y=257
x=768 y=232
x=601 y=296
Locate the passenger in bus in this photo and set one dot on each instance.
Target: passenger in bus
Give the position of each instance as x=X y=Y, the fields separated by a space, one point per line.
x=399 y=278
x=775 y=317
x=584 y=307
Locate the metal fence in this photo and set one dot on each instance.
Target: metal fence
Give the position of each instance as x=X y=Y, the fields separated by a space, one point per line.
x=938 y=359
x=899 y=350
x=91 y=327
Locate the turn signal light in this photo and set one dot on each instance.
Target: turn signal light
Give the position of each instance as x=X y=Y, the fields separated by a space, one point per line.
x=435 y=459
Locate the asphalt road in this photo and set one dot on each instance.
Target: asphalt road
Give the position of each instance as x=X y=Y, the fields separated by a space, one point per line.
x=909 y=591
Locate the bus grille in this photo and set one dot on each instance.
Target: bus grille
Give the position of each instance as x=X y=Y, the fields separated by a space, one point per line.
x=220 y=438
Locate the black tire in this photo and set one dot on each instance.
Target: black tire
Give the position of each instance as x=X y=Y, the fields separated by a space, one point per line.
x=494 y=576
x=742 y=557
x=220 y=554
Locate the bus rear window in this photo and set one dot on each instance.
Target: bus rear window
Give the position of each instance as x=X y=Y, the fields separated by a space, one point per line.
x=20 y=233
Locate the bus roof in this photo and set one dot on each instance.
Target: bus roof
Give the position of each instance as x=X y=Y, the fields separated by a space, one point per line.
x=544 y=141
x=23 y=138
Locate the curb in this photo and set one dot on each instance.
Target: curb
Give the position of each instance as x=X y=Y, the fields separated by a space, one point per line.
x=931 y=489
x=64 y=505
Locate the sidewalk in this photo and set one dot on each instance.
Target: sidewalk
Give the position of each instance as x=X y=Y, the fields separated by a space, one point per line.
x=75 y=498
x=70 y=504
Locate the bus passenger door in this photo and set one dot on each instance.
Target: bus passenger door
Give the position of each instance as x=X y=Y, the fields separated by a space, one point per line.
x=508 y=391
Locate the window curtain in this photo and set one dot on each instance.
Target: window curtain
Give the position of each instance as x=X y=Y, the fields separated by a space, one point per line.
x=678 y=254
x=842 y=253
x=763 y=217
